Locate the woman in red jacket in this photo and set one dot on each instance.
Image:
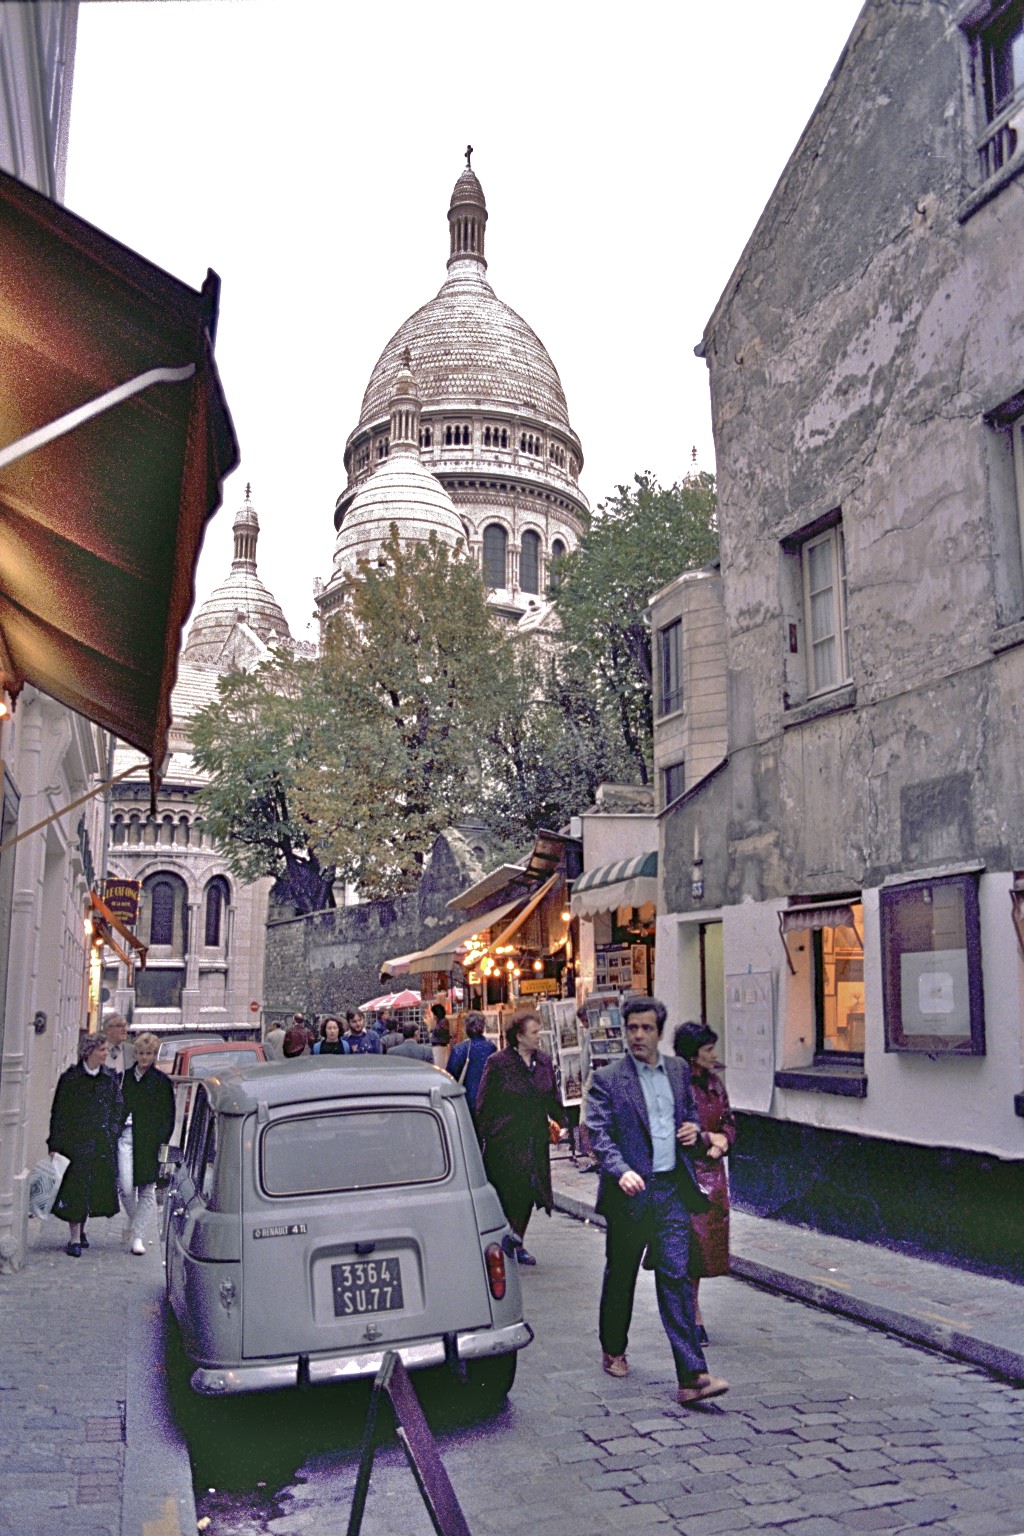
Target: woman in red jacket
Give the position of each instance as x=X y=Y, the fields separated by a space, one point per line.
x=709 y=1240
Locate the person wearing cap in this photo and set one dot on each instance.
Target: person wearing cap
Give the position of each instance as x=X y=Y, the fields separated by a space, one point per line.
x=709 y=1230
x=296 y=1042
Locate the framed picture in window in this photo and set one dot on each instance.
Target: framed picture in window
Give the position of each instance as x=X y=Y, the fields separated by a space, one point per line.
x=931 y=967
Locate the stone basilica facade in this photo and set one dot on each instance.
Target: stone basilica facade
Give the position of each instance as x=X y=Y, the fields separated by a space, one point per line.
x=463 y=433
x=205 y=928
x=466 y=392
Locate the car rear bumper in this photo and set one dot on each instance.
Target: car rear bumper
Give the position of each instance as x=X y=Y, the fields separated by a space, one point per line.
x=314 y=1370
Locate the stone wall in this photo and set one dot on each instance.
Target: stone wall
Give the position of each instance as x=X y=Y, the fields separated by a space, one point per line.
x=326 y=962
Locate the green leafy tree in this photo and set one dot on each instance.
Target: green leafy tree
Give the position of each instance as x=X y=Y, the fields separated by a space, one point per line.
x=252 y=740
x=414 y=672
x=637 y=542
x=549 y=751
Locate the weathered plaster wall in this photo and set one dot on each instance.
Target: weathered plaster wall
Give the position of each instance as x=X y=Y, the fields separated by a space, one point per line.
x=865 y=334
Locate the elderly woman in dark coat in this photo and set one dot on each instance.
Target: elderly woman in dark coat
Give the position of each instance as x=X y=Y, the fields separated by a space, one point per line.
x=709 y=1240
x=85 y=1122
x=148 y=1107
x=515 y=1107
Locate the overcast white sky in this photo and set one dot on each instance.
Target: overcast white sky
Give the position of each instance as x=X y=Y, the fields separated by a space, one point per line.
x=306 y=150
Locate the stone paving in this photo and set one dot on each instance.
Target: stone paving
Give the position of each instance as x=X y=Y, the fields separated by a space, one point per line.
x=830 y=1429
x=80 y=1367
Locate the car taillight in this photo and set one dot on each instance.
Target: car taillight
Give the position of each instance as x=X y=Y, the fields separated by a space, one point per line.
x=495 y=1260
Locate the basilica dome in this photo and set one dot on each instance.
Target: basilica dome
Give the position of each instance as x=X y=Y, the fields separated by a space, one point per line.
x=470 y=349
x=242 y=597
x=494 y=427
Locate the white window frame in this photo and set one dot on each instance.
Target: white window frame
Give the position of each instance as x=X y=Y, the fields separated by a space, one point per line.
x=839 y=634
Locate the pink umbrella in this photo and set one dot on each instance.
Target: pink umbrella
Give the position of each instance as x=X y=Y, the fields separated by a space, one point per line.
x=406 y=999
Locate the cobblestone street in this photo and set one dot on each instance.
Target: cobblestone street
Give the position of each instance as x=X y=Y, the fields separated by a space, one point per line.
x=830 y=1428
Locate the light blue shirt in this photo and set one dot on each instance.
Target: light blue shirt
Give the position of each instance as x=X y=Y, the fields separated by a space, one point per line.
x=661 y=1112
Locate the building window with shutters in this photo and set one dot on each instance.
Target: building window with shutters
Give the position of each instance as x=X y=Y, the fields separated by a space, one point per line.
x=670 y=673
x=823 y=564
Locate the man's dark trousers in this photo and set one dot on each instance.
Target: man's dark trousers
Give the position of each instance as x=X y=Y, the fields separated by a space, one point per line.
x=664 y=1228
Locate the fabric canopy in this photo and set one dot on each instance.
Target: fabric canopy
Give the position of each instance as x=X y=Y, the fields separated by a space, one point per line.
x=626 y=883
x=448 y=951
x=800 y=919
x=102 y=516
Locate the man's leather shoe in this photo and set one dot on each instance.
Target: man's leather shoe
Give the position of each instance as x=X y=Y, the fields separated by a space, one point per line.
x=522 y=1257
x=615 y=1365
x=700 y=1388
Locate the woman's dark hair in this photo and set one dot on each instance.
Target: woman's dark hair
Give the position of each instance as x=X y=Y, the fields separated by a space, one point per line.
x=514 y=1027
x=90 y=1043
x=690 y=1037
x=439 y=1011
x=474 y=1025
x=330 y=1019
x=645 y=1005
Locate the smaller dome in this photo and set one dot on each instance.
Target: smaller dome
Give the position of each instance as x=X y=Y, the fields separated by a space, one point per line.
x=468 y=189
x=402 y=491
x=242 y=598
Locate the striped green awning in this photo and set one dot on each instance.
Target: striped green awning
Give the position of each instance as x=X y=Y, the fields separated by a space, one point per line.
x=626 y=883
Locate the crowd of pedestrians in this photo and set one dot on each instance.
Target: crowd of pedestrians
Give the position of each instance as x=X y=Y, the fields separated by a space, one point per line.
x=658 y=1126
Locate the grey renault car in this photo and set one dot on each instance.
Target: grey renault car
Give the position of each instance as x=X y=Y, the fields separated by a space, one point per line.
x=324 y=1211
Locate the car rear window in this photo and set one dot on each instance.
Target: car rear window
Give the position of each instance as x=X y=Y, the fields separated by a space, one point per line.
x=216 y=1061
x=353 y=1149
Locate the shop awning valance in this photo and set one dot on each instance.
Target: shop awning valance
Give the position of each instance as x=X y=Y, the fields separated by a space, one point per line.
x=626 y=883
x=448 y=951
x=835 y=914
x=114 y=439
x=800 y=919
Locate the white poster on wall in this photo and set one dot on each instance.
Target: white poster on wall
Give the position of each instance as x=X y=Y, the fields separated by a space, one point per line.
x=750 y=1039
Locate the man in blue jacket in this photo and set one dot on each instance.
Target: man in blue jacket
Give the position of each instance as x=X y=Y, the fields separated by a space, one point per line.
x=644 y=1131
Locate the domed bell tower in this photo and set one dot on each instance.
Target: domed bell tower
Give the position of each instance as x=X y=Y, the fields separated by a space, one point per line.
x=467 y=218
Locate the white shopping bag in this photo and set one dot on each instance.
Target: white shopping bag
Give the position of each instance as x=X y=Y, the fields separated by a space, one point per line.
x=44 y=1184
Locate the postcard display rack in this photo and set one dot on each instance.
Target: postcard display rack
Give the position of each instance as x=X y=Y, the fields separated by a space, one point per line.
x=562 y=1039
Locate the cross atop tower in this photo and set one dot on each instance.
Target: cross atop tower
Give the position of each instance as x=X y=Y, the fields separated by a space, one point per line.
x=469 y=152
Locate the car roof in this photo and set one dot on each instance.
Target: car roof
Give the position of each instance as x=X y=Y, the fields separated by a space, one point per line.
x=238 y=1090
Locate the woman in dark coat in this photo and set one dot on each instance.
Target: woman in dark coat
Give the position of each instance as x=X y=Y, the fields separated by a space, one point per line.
x=148 y=1107
x=709 y=1243
x=85 y=1122
x=515 y=1105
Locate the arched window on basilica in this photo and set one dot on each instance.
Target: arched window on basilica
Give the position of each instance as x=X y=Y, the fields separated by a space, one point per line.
x=557 y=554
x=495 y=553
x=529 y=562
x=165 y=913
x=215 y=911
